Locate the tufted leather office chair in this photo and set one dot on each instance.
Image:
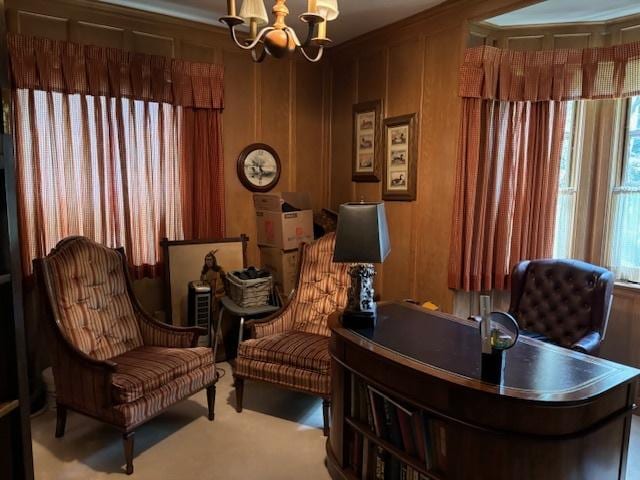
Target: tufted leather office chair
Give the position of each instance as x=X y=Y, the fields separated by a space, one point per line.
x=112 y=361
x=291 y=348
x=565 y=302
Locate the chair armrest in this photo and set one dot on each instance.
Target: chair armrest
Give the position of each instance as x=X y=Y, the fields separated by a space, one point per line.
x=279 y=322
x=589 y=344
x=73 y=368
x=158 y=334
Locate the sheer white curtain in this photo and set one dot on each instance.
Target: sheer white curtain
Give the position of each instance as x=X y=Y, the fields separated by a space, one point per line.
x=624 y=244
x=623 y=248
x=100 y=167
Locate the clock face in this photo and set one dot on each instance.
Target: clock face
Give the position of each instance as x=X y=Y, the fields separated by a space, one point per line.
x=259 y=167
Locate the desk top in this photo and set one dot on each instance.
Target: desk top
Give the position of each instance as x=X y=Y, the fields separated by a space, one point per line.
x=449 y=347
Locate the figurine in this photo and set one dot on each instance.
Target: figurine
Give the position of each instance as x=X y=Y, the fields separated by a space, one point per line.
x=214 y=275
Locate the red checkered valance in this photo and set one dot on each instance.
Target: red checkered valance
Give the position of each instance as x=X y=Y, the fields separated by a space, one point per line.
x=564 y=74
x=50 y=65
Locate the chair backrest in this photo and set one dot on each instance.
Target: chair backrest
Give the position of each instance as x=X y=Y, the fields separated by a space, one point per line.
x=561 y=299
x=322 y=287
x=86 y=286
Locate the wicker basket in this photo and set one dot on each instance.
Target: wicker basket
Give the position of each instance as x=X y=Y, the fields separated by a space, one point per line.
x=249 y=293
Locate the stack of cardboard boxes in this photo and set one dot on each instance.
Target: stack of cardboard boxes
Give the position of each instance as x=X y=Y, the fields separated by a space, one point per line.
x=284 y=220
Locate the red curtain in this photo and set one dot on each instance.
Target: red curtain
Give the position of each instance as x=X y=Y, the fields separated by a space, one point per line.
x=509 y=150
x=202 y=173
x=506 y=189
x=120 y=147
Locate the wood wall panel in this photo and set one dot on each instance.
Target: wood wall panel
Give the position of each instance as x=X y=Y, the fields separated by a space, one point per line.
x=572 y=40
x=437 y=167
x=152 y=44
x=530 y=43
x=630 y=34
x=276 y=85
x=404 y=95
x=344 y=80
x=52 y=27
x=313 y=176
x=100 y=35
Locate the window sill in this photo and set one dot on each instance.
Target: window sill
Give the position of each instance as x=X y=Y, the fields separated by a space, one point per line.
x=627 y=287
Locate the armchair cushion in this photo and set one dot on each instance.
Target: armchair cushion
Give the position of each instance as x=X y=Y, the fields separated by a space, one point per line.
x=91 y=300
x=145 y=369
x=296 y=349
x=322 y=288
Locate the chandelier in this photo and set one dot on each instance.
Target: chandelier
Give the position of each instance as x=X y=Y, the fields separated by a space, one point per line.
x=279 y=39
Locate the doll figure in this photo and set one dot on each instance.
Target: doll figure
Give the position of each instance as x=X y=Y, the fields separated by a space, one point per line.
x=213 y=274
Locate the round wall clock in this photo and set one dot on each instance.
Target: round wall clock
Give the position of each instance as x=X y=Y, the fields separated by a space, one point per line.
x=259 y=167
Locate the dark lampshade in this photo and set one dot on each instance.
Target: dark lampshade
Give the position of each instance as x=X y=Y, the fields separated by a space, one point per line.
x=362 y=235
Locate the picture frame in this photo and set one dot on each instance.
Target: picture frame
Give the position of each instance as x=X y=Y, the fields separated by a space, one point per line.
x=259 y=167
x=400 y=158
x=367 y=141
x=183 y=263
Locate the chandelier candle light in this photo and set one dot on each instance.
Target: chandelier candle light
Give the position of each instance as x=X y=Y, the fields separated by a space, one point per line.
x=279 y=39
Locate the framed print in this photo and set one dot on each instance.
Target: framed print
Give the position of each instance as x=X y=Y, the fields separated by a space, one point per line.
x=400 y=158
x=367 y=141
x=259 y=167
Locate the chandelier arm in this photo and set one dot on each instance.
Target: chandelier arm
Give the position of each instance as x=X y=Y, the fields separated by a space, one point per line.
x=258 y=58
x=310 y=58
x=254 y=43
x=310 y=32
x=292 y=33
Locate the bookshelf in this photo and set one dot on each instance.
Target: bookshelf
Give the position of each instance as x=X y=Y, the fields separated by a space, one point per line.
x=408 y=404
x=15 y=435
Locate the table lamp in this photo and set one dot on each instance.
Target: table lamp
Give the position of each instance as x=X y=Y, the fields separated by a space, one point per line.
x=362 y=239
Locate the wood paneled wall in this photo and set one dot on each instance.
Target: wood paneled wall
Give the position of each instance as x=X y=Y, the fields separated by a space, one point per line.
x=413 y=67
x=279 y=102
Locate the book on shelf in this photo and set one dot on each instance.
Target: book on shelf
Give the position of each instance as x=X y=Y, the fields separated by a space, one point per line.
x=409 y=429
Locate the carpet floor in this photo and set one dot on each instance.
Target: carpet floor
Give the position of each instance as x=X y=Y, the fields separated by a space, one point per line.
x=278 y=436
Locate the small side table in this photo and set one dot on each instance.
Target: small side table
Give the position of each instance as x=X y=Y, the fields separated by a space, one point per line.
x=242 y=313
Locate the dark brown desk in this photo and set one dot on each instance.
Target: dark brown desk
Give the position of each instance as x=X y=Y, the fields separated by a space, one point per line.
x=558 y=414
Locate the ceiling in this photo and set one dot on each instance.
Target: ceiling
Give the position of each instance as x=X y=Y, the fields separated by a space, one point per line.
x=567 y=11
x=356 y=16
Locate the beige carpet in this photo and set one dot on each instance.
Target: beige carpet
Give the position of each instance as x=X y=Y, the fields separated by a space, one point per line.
x=278 y=436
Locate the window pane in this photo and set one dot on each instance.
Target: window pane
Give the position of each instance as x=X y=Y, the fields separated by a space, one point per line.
x=567 y=146
x=563 y=235
x=624 y=244
x=564 y=225
x=631 y=163
x=623 y=248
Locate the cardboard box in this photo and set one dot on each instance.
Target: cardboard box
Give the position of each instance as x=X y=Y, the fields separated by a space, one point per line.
x=283 y=265
x=284 y=230
x=281 y=201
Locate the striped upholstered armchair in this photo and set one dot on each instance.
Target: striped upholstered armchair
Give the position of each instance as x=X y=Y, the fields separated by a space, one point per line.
x=112 y=361
x=291 y=349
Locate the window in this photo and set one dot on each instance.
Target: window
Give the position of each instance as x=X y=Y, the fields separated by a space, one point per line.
x=101 y=167
x=567 y=186
x=623 y=246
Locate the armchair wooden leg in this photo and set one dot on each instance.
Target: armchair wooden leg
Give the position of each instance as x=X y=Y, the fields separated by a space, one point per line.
x=127 y=439
x=61 y=420
x=326 y=416
x=211 y=401
x=239 y=384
